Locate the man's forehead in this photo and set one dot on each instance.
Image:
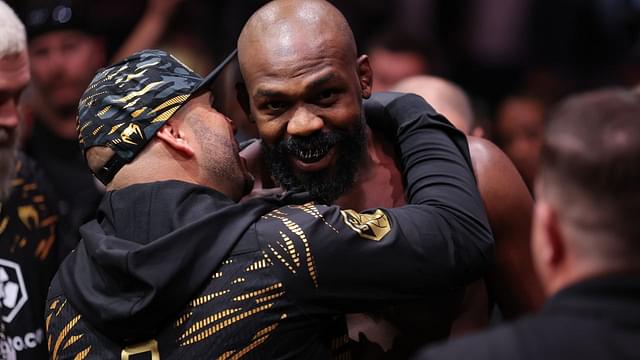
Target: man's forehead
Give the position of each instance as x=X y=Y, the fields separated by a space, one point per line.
x=296 y=78
x=273 y=64
x=14 y=71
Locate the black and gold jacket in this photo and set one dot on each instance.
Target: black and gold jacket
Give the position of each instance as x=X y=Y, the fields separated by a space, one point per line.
x=28 y=260
x=172 y=270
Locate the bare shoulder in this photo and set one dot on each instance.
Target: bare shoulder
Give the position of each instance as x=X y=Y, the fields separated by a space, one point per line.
x=509 y=207
x=498 y=178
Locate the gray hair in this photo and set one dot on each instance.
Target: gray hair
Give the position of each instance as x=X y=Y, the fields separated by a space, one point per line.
x=13 y=37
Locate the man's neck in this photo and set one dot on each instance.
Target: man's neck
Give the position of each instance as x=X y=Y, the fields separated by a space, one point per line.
x=589 y=268
x=378 y=181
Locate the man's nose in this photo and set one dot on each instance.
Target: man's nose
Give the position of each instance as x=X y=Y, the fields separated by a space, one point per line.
x=304 y=123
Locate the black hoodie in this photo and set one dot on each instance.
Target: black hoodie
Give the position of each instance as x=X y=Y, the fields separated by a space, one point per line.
x=151 y=249
x=180 y=271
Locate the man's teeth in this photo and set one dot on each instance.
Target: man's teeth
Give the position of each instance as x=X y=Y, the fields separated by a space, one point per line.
x=312 y=155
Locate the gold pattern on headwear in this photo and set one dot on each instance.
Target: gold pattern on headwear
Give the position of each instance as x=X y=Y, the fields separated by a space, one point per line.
x=175 y=100
x=134 y=94
x=132 y=131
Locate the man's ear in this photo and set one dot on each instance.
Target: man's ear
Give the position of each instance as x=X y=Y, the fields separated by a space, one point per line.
x=365 y=75
x=552 y=247
x=243 y=99
x=174 y=138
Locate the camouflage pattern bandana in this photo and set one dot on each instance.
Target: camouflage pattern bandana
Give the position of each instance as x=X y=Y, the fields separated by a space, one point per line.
x=126 y=104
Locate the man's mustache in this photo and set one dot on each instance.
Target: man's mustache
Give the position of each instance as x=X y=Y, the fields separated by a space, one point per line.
x=319 y=140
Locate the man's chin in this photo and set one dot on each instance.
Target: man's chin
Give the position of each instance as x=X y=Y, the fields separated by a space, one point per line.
x=64 y=103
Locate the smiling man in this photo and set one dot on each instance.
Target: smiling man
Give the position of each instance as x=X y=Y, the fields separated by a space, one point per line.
x=173 y=267
x=304 y=85
x=319 y=156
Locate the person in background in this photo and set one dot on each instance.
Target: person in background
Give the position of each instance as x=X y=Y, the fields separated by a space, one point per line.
x=28 y=216
x=446 y=97
x=395 y=57
x=584 y=240
x=64 y=55
x=518 y=132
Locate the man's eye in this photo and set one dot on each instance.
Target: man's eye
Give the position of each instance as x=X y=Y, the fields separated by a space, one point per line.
x=40 y=52
x=70 y=47
x=276 y=105
x=327 y=96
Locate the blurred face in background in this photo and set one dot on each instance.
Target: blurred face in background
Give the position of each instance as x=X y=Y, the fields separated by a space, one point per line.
x=390 y=67
x=62 y=64
x=519 y=131
x=14 y=77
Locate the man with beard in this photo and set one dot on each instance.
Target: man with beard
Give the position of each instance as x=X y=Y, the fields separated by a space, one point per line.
x=304 y=85
x=64 y=56
x=173 y=267
x=27 y=220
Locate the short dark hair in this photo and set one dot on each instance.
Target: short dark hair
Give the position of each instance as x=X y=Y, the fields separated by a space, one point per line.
x=591 y=159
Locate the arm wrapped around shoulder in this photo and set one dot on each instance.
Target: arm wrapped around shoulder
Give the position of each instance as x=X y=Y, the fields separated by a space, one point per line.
x=440 y=187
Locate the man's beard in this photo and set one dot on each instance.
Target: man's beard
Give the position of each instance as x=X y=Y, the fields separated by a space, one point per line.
x=8 y=153
x=328 y=184
x=223 y=161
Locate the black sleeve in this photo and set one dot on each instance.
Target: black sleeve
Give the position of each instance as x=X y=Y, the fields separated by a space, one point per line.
x=354 y=261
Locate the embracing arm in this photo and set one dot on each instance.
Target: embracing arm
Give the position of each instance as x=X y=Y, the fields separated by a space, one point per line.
x=441 y=240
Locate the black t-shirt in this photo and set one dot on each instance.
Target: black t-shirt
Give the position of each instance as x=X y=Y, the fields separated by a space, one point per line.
x=28 y=260
x=63 y=164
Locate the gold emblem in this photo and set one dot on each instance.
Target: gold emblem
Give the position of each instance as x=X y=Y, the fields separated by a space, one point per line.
x=132 y=134
x=370 y=226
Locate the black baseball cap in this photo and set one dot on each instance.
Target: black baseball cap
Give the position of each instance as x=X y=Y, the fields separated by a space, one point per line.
x=126 y=103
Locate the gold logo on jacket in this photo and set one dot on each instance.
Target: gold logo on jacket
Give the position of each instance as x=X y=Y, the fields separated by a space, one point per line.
x=370 y=226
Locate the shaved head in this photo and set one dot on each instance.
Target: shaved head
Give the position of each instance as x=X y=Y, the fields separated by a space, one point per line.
x=303 y=87
x=446 y=97
x=283 y=30
x=589 y=171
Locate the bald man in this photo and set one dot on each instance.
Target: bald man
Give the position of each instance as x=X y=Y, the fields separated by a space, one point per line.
x=304 y=87
x=446 y=97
